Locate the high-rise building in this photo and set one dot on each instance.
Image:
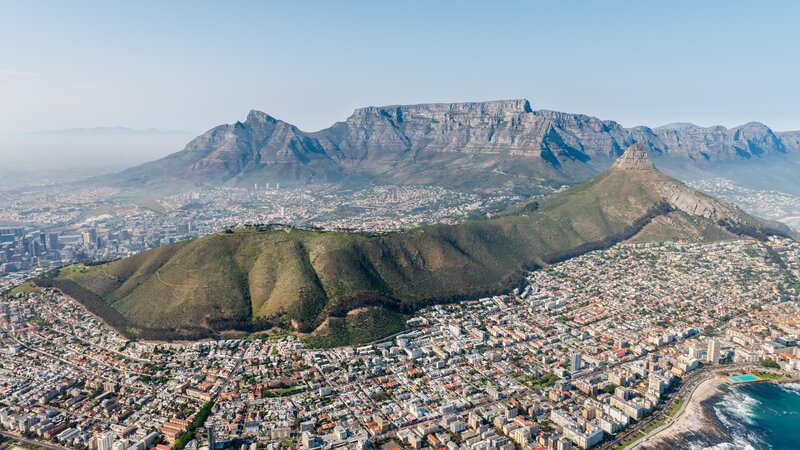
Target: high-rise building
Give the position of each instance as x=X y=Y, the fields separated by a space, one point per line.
x=105 y=441
x=575 y=361
x=712 y=356
x=52 y=241
x=90 y=237
x=656 y=385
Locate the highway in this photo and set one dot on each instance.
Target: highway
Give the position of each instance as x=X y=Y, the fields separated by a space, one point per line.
x=32 y=442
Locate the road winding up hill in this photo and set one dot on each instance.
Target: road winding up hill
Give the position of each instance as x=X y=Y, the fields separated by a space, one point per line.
x=250 y=278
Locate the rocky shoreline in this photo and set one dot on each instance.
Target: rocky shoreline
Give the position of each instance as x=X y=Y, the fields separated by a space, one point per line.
x=697 y=422
x=700 y=425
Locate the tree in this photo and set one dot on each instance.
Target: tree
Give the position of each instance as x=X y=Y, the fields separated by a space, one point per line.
x=769 y=363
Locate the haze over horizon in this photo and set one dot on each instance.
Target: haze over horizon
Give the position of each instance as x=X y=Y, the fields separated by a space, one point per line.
x=193 y=66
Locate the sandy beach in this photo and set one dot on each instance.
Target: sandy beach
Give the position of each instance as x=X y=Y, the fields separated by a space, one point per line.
x=691 y=419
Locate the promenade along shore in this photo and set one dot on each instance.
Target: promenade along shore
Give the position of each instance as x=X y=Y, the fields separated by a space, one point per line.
x=695 y=421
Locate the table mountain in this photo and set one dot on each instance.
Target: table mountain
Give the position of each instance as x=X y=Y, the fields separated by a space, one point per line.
x=258 y=277
x=486 y=145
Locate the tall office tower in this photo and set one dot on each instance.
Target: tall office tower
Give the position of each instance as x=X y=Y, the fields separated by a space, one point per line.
x=52 y=241
x=712 y=355
x=90 y=237
x=28 y=245
x=37 y=247
x=575 y=361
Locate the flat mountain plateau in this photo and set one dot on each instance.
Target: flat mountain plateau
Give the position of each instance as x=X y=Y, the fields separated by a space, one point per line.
x=491 y=146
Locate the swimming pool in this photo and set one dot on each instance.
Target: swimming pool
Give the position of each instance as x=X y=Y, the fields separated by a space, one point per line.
x=736 y=378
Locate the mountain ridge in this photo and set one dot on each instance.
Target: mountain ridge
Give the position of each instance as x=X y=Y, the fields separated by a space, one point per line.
x=503 y=144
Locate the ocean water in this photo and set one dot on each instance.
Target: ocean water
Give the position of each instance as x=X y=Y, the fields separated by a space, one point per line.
x=756 y=416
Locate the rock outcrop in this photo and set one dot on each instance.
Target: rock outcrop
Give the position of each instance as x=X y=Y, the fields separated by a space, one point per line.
x=679 y=196
x=634 y=158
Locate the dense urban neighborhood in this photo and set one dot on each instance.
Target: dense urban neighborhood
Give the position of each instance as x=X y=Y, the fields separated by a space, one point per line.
x=766 y=203
x=592 y=352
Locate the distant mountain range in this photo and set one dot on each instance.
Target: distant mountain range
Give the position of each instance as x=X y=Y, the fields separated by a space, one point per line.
x=495 y=145
x=345 y=286
x=100 y=131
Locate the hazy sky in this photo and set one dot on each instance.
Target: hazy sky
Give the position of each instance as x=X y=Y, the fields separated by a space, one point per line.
x=192 y=65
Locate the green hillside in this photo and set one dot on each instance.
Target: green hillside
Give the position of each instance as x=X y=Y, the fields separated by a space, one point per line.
x=253 y=279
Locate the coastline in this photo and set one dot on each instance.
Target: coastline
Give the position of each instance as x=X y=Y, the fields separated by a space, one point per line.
x=690 y=419
x=696 y=421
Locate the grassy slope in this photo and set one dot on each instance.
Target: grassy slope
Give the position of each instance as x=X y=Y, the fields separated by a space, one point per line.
x=357 y=327
x=306 y=276
x=23 y=288
x=678 y=225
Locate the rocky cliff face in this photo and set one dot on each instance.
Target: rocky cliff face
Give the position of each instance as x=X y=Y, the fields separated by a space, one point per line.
x=499 y=127
x=634 y=158
x=260 y=141
x=679 y=196
x=488 y=144
x=715 y=143
x=790 y=139
x=393 y=131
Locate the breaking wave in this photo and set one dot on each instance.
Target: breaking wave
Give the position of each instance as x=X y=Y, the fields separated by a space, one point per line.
x=737 y=411
x=792 y=388
x=726 y=446
x=739 y=406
